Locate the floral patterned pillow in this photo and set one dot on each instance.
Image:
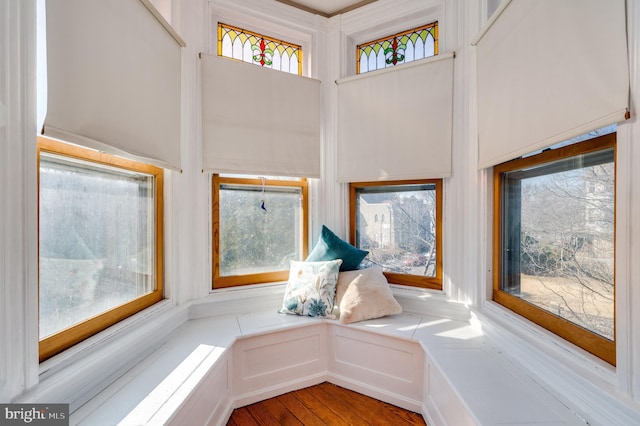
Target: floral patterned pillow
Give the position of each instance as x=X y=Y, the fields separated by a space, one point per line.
x=311 y=289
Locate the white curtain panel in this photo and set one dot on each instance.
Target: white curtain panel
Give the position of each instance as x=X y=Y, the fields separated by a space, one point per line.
x=548 y=71
x=395 y=124
x=259 y=121
x=113 y=79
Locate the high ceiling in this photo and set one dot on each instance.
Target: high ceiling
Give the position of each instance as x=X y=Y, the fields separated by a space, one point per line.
x=327 y=8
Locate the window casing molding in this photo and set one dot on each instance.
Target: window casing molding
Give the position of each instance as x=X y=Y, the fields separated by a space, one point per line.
x=64 y=339
x=382 y=20
x=590 y=341
x=223 y=281
x=428 y=282
x=290 y=24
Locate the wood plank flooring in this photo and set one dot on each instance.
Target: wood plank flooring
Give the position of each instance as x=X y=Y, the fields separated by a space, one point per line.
x=323 y=404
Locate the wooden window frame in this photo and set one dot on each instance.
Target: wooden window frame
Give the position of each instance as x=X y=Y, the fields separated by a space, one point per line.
x=263 y=277
x=64 y=339
x=591 y=342
x=434 y=283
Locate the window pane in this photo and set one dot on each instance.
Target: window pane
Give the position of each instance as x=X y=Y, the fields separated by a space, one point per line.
x=97 y=247
x=395 y=49
x=259 y=49
x=558 y=238
x=259 y=231
x=613 y=128
x=397 y=225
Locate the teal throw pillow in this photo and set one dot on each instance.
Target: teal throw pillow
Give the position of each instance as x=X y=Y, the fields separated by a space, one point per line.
x=330 y=247
x=311 y=289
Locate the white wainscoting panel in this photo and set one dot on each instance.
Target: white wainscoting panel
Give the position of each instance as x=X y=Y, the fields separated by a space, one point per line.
x=275 y=363
x=383 y=367
x=442 y=405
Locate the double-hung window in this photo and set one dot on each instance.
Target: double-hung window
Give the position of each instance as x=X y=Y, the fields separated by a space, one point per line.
x=554 y=241
x=400 y=224
x=259 y=226
x=100 y=242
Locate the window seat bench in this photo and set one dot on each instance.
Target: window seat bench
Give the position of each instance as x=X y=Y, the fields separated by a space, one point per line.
x=437 y=364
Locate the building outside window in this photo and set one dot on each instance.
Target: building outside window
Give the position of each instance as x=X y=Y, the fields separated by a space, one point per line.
x=100 y=250
x=554 y=241
x=400 y=224
x=259 y=226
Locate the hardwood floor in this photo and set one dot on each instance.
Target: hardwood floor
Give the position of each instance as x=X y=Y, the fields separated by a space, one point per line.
x=323 y=404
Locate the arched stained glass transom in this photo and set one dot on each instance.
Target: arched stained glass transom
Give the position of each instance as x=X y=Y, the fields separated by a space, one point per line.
x=400 y=48
x=259 y=49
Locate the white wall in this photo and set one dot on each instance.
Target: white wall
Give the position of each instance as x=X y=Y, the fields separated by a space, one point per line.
x=327 y=43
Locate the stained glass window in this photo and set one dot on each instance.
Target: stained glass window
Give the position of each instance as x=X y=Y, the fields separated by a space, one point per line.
x=400 y=48
x=259 y=49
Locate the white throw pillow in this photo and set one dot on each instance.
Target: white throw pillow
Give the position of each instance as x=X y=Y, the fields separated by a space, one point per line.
x=311 y=289
x=365 y=294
